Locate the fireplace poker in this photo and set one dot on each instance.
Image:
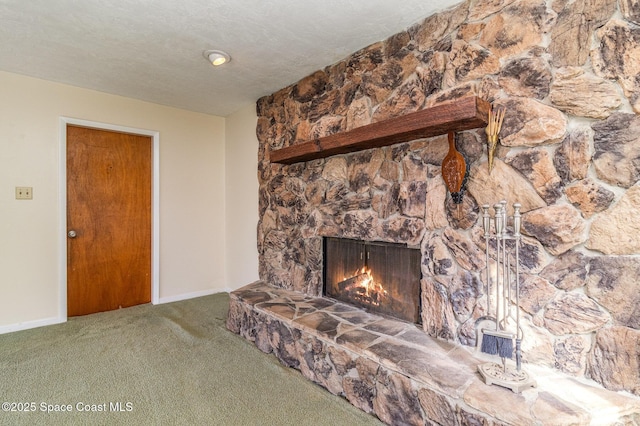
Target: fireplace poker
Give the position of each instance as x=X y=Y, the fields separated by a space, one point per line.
x=517 y=221
x=486 y=225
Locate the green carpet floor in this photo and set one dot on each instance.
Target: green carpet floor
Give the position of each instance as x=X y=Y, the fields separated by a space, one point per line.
x=157 y=365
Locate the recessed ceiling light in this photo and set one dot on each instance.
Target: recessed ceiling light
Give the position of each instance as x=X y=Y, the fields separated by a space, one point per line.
x=216 y=57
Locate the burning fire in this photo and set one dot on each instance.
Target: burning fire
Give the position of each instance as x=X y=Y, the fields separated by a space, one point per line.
x=361 y=286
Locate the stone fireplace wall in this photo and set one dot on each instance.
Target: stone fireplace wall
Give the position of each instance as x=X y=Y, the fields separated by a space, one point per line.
x=567 y=74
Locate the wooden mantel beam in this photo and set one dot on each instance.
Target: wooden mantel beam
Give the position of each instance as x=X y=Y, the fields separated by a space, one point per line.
x=462 y=114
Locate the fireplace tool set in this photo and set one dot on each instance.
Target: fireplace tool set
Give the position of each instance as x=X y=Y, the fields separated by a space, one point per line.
x=497 y=334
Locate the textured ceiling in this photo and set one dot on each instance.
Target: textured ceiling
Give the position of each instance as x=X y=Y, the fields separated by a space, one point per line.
x=152 y=49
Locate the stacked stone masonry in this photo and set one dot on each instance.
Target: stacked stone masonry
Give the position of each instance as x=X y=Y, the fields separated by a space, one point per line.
x=566 y=71
x=396 y=372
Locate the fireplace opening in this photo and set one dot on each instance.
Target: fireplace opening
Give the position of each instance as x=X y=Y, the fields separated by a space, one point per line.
x=380 y=277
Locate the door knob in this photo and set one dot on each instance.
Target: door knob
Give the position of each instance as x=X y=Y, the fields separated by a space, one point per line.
x=72 y=234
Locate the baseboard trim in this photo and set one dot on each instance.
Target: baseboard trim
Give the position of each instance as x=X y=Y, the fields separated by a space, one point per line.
x=4 y=329
x=185 y=296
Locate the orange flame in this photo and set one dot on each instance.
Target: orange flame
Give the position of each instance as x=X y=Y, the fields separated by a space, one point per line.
x=369 y=285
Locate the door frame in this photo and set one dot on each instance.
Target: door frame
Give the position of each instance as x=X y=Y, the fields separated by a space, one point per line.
x=155 y=203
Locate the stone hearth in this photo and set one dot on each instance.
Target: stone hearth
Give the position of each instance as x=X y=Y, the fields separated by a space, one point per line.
x=395 y=371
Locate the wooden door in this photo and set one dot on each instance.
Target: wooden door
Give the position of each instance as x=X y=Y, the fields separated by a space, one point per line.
x=108 y=220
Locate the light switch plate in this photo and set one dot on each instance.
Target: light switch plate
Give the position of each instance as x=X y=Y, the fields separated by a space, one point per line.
x=24 y=193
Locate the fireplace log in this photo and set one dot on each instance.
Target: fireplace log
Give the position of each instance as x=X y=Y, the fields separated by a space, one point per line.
x=351 y=285
x=361 y=290
x=462 y=114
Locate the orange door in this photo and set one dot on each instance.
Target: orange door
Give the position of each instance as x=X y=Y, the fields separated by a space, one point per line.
x=108 y=220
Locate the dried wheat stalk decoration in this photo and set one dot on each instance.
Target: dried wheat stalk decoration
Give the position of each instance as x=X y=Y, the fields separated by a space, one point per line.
x=493 y=129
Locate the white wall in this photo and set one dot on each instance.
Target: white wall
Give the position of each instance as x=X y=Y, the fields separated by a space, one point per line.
x=242 y=197
x=192 y=194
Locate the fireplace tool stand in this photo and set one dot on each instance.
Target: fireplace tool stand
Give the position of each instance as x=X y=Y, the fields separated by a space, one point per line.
x=501 y=331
